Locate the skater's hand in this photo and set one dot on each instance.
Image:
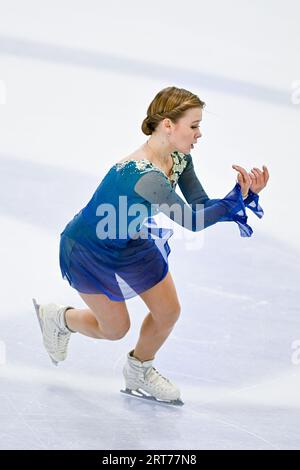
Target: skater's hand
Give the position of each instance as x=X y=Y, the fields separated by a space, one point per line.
x=259 y=179
x=243 y=178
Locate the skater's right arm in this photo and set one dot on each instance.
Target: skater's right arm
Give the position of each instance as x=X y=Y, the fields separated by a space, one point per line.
x=154 y=187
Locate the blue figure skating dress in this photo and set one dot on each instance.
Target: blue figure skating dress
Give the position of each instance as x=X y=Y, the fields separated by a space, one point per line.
x=107 y=249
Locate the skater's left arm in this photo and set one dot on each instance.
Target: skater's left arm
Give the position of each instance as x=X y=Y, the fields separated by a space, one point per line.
x=194 y=192
x=191 y=187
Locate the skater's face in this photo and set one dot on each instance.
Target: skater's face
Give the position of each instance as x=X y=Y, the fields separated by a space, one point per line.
x=186 y=130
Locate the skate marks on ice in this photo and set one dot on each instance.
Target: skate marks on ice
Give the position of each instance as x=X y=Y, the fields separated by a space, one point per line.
x=85 y=58
x=233 y=419
x=40 y=186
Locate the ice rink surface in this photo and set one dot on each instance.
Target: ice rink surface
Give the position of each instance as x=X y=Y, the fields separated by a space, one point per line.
x=76 y=79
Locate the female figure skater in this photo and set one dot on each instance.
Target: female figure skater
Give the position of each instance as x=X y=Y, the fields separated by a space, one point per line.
x=107 y=267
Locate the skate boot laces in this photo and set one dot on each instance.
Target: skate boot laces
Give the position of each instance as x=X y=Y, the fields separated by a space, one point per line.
x=156 y=379
x=55 y=339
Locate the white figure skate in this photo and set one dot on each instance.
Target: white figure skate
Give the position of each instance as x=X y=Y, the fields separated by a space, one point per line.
x=56 y=335
x=144 y=381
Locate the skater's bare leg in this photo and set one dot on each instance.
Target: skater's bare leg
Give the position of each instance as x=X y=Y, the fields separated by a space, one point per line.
x=104 y=319
x=164 y=307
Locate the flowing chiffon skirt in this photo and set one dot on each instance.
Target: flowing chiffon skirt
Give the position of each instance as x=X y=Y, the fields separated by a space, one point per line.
x=120 y=271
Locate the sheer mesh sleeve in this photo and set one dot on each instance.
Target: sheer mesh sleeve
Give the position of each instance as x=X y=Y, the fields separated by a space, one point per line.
x=194 y=193
x=190 y=185
x=155 y=188
x=252 y=202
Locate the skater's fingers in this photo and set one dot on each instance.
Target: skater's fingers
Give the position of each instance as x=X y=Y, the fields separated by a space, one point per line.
x=260 y=180
x=243 y=172
x=257 y=170
x=266 y=174
x=255 y=173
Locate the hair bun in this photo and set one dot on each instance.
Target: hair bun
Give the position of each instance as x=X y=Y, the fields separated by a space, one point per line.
x=172 y=103
x=146 y=126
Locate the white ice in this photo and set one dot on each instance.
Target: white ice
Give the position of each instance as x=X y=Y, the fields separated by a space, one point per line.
x=76 y=78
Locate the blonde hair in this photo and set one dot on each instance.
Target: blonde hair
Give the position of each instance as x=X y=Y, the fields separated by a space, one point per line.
x=171 y=102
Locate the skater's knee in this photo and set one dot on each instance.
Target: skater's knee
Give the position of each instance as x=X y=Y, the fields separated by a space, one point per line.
x=117 y=334
x=166 y=319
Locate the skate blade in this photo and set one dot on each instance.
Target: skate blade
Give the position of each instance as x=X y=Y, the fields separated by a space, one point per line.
x=141 y=394
x=37 y=308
